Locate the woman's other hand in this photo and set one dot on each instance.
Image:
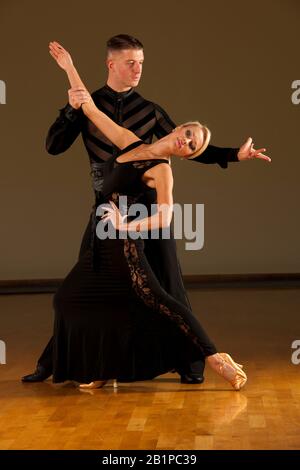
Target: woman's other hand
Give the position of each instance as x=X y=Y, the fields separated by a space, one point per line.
x=114 y=215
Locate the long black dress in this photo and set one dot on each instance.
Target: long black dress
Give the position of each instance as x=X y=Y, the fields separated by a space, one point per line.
x=116 y=321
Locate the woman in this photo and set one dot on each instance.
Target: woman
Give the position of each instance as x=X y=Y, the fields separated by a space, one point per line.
x=141 y=330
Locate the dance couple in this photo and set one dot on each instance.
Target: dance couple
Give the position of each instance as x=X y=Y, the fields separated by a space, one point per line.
x=122 y=312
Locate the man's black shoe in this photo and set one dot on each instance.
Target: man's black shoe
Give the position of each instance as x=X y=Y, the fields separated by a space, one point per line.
x=191 y=379
x=39 y=375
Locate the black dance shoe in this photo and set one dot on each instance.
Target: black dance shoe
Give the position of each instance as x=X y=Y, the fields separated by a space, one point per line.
x=39 y=375
x=191 y=379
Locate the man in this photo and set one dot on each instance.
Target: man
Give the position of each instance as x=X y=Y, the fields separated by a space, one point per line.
x=119 y=100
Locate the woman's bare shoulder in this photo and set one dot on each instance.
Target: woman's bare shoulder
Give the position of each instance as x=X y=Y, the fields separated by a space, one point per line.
x=161 y=169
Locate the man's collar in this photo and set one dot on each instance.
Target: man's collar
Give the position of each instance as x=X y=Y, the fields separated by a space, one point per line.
x=117 y=94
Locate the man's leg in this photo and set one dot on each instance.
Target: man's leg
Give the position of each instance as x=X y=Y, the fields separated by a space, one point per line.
x=86 y=239
x=44 y=365
x=192 y=373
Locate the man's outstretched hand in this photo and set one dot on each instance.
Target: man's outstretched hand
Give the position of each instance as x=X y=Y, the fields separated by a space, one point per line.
x=62 y=57
x=248 y=152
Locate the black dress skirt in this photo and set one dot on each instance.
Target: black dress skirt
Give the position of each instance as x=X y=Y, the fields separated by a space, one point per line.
x=113 y=319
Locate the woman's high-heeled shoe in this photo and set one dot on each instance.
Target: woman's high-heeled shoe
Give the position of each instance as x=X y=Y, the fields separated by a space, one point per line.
x=98 y=384
x=240 y=378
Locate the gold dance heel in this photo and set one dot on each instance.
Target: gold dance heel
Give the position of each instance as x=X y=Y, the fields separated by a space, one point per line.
x=240 y=378
x=98 y=384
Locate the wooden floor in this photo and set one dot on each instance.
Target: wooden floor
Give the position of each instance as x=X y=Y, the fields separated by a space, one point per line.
x=256 y=326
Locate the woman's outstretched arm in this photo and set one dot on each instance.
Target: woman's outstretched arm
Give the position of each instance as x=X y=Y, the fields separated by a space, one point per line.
x=118 y=135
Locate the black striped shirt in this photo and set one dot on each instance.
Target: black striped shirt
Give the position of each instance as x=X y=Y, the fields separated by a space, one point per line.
x=129 y=109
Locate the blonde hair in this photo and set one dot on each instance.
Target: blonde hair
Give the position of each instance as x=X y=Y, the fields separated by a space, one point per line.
x=206 y=137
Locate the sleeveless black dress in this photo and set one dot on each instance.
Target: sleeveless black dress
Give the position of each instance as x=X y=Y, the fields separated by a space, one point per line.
x=117 y=321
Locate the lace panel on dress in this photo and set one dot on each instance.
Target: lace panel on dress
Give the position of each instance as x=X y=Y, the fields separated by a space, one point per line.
x=143 y=290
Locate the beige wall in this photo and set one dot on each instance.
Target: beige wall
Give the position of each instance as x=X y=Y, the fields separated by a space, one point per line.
x=229 y=64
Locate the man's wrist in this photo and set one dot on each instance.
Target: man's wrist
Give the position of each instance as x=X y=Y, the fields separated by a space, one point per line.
x=234 y=155
x=73 y=108
x=71 y=113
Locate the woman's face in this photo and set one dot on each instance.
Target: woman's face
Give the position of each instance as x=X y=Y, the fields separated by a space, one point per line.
x=186 y=140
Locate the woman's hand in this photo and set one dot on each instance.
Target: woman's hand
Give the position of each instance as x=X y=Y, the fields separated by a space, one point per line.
x=62 y=57
x=78 y=94
x=114 y=215
x=247 y=152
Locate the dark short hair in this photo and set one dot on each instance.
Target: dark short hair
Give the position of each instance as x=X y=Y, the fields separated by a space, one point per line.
x=122 y=42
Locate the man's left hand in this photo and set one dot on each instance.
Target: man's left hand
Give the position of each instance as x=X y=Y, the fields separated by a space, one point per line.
x=248 y=152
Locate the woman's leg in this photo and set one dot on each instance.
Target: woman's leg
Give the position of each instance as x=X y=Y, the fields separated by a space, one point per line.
x=151 y=293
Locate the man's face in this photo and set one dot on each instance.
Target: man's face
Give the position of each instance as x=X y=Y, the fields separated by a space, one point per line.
x=125 y=66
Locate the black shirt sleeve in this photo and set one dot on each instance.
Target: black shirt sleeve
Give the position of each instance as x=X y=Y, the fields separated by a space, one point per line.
x=64 y=130
x=220 y=155
x=164 y=124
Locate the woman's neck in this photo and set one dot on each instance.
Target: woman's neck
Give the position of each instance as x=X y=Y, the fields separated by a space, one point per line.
x=160 y=148
x=153 y=151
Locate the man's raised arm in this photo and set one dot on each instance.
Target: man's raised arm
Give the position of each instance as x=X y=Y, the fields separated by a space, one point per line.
x=64 y=130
